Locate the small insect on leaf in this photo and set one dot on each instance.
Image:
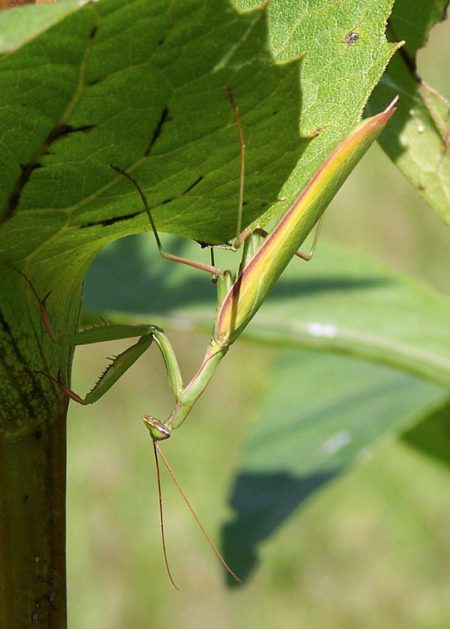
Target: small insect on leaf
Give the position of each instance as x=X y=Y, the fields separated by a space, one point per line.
x=351 y=38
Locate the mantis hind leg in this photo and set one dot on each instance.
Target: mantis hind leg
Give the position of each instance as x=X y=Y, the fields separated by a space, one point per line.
x=307 y=255
x=247 y=236
x=208 y=268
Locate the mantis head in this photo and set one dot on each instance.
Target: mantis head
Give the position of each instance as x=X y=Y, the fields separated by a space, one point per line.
x=158 y=431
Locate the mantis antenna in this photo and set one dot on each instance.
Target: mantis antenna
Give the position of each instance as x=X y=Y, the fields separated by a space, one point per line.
x=161 y=514
x=158 y=432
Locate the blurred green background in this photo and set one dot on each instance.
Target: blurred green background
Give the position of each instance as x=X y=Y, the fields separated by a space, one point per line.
x=371 y=550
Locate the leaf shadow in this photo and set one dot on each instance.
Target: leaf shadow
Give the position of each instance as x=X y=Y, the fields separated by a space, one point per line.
x=143 y=282
x=130 y=277
x=268 y=499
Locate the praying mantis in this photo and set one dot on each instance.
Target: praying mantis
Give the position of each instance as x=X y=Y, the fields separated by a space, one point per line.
x=240 y=295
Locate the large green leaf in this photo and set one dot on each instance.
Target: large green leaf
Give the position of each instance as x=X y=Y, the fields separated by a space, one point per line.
x=322 y=414
x=141 y=86
x=418 y=139
x=341 y=301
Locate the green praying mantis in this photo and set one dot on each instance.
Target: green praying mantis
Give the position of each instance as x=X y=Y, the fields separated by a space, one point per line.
x=240 y=295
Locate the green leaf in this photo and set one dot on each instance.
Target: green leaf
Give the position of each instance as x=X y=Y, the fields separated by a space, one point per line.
x=415 y=32
x=322 y=414
x=417 y=140
x=341 y=301
x=344 y=53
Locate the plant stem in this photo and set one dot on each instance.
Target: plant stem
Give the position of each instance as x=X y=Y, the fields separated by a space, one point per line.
x=32 y=528
x=33 y=448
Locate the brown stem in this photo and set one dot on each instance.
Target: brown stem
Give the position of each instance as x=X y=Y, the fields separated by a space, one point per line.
x=32 y=528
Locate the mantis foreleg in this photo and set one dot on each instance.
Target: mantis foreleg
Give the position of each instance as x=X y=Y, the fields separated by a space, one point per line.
x=123 y=361
x=120 y=363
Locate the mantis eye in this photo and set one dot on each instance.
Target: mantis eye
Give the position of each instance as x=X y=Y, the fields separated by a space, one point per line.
x=158 y=431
